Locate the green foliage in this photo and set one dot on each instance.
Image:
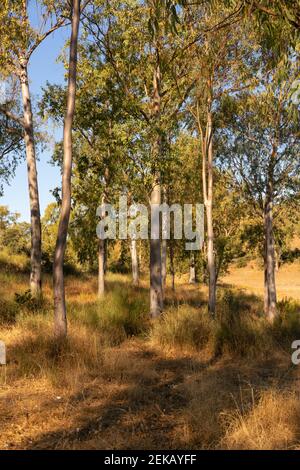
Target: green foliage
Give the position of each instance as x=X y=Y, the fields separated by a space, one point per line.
x=49 y=232
x=27 y=303
x=11 y=145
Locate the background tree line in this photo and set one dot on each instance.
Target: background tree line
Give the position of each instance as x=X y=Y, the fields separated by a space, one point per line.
x=175 y=102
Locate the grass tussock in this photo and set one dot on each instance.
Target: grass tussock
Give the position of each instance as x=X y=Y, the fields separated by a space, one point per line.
x=271 y=423
x=34 y=354
x=120 y=314
x=239 y=328
x=183 y=327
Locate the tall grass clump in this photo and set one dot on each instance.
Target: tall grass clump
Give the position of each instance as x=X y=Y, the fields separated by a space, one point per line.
x=183 y=327
x=120 y=314
x=286 y=327
x=8 y=312
x=240 y=330
x=271 y=423
x=33 y=352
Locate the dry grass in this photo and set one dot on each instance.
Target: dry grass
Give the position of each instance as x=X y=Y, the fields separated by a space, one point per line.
x=250 y=278
x=121 y=382
x=271 y=423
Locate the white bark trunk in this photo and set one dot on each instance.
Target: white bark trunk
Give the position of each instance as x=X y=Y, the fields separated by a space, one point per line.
x=172 y=266
x=209 y=219
x=164 y=265
x=101 y=268
x=192 y=279
x=270 y=284
x=156 y=296
x=60 y=318
x=211 y=261
x=35 y=217
x=134 y=262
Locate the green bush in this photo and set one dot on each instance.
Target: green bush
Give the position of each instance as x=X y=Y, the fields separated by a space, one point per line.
x=26 y=302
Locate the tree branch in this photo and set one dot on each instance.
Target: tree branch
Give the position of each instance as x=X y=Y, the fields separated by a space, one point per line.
x=12 y=116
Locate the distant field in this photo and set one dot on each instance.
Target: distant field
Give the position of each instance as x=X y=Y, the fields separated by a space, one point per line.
x=250 y=278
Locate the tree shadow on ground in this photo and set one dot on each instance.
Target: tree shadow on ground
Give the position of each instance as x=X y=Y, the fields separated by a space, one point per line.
x=161 y=402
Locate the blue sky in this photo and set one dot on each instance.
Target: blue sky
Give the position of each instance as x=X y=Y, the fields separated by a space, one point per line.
x=43 y=67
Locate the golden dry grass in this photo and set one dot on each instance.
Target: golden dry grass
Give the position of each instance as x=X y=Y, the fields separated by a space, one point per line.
x=121 y=383
x=250 y=278
x=271 y=423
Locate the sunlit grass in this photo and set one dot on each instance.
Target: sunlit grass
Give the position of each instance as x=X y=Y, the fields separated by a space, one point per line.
x=202 y=377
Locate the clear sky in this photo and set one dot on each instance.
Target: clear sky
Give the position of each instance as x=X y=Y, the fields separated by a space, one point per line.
x=43 y=67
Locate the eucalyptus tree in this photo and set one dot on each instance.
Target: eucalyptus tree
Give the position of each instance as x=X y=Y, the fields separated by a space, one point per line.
x=147 y=71
x=11 y=148
x=60 y=318
x=19 y=39
x=287 y=11
x=263 y=156
x=106 y=150
x=217 y=65
x=183 y=187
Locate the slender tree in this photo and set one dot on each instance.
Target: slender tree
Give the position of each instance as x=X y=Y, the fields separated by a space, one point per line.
x=18 y=41
x=60 y=318
x=263 y=156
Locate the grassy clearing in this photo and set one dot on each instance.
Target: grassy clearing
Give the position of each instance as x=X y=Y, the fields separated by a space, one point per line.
x=120 y=381
x=250 y=278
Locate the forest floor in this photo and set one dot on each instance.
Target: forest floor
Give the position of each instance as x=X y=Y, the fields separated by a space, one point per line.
x=119 y=383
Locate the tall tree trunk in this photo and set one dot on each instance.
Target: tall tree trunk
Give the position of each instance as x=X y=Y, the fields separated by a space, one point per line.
x=156 y=295
x=140 y=256
x=207 y=177
x=192 y=279
x=102 y=246
x=60 y=318
x=35 y=217
x=164 y=247
x=101 y=268
x=211 y=260
x=266 y=290
x=163 y=265
x=207 y=183
x=172 y=266
x=270 y=306
x=134 y=262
